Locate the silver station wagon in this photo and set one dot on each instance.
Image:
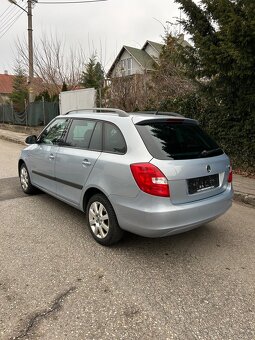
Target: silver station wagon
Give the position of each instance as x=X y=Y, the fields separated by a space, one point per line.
x=150 y=174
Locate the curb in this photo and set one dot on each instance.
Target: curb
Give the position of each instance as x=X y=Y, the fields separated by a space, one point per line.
x=244 y=198
x=12 y=139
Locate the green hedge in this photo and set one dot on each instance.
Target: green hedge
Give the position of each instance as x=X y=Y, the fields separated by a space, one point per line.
x=235 y=134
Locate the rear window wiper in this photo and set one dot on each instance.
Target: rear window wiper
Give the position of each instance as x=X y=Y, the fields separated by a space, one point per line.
x=206 y=153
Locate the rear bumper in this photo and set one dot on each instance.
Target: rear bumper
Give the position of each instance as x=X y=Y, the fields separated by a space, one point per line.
x=151 y=216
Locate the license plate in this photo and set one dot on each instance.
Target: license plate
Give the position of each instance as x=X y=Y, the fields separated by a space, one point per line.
x=203 y=183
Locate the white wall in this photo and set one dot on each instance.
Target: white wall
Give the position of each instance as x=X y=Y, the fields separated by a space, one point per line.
x=77 y=99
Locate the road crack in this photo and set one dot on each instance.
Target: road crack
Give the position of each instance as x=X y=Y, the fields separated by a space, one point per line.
x=37 y=317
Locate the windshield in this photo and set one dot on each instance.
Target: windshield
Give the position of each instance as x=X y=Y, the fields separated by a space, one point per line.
x=176 y=140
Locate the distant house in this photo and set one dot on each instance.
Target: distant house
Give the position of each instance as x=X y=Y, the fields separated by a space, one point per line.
x=132 y=60
x=5 y=86
x=129 y=82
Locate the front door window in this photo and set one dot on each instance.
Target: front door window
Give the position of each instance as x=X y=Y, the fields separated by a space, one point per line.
x=54 y=132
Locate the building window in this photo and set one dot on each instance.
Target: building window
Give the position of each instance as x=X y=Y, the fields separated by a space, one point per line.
x=123 y=65
x=126 y=66
x=129 y=66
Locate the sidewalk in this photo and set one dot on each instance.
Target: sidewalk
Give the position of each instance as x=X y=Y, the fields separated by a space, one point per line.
x=244 y=187
x=11 y=136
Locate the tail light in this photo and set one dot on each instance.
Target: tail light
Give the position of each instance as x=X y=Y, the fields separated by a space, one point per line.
x=230 y=174
x=150 y=179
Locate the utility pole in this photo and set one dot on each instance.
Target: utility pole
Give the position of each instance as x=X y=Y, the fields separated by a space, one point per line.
x=30 y=46
x=30 y=51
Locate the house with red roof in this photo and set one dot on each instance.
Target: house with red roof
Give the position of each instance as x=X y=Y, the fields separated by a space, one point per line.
x=5 y=86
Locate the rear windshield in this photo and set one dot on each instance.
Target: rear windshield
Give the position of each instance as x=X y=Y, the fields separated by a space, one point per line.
x=176 y=140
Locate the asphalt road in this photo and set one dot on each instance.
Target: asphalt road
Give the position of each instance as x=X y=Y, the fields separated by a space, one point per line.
x=57 y=283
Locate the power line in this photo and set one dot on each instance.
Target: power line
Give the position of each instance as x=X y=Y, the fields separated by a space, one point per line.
x=10 y=8
x=4 y=28
x=13 y=18
x=10 y=25
x=5 y=11
x=67 y=2
x=8 y=18
x=7 y=15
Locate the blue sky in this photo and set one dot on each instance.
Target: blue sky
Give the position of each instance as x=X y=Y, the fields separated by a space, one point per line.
x=103 y=26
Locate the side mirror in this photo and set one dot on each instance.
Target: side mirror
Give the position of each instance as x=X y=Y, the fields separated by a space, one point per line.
x=31 y=139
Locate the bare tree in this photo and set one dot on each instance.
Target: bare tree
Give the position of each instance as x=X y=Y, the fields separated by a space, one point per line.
x=130 y=92
x=54 y=64
x=170 y=80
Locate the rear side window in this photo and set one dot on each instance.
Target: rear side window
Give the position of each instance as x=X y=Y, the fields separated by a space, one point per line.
x=176 y=140
x=80 y=133
x=114 y=141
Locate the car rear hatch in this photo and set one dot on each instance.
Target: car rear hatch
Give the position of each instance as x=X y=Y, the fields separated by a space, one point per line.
x=194 y=165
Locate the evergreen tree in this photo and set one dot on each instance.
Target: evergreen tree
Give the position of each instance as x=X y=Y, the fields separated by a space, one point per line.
x=64 y=87
x=20 y=91
x=47 y=97
x=93 y=77
x=223 y=59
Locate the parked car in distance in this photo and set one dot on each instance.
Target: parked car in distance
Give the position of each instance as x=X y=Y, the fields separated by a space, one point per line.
x=150 y=174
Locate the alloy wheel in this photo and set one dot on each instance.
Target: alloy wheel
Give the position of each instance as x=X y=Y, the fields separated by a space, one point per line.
x=24 y=179
x=98 y=220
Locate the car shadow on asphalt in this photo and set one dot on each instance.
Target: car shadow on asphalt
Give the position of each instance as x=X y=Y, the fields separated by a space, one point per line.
x=209 y=236
x=11 y=189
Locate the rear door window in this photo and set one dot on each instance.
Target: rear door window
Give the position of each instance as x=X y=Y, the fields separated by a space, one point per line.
x=176 y=139
x=80 y=133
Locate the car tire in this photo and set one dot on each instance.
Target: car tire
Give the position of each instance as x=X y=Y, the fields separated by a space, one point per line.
x=102 y=221
x=25 y=182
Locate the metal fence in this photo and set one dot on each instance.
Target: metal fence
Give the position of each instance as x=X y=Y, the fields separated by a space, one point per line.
x=36 y=114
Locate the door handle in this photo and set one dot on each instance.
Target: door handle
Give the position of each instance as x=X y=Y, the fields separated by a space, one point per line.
x=86 y=162
x=51 y=157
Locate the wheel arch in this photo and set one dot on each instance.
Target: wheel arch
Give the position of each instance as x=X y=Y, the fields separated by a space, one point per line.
x=21 y=161
x=114 y=231
x=88 y=194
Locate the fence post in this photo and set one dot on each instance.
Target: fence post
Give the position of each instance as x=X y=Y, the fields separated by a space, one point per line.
x=12 y=113
x=26 y=111
x=43 y=104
